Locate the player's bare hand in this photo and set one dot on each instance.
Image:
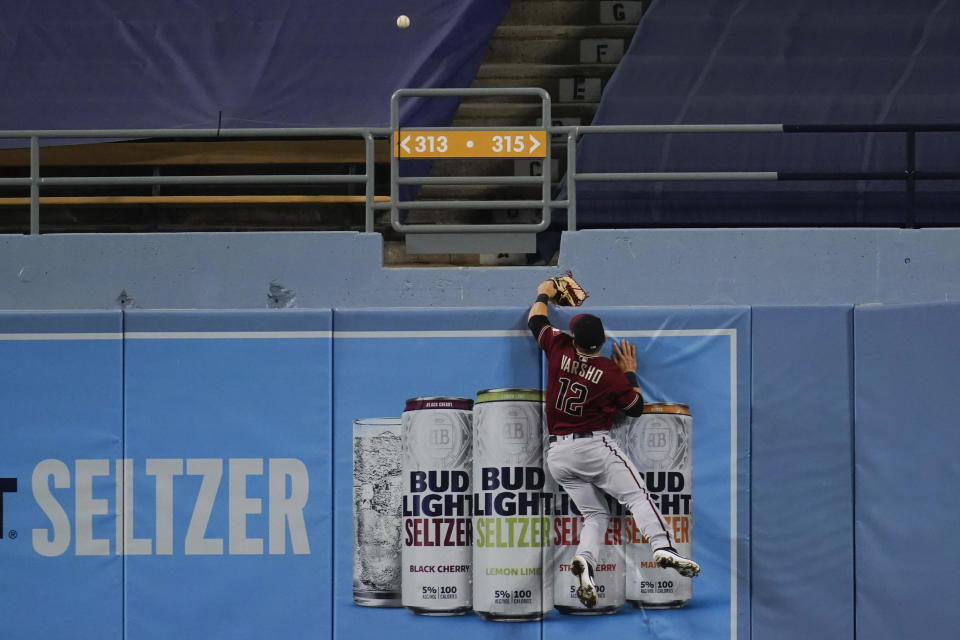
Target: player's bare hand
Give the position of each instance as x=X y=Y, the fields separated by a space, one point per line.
x=547 y=287
x=625 y=355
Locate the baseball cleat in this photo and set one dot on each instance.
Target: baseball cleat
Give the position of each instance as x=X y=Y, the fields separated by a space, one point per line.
x=668 y=557
x=587 y=591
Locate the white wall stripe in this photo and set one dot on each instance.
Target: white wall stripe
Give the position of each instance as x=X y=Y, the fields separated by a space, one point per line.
x=673 y=333
x=60 y=336
x=435 y=334
x=734 y=569
x=224 y=335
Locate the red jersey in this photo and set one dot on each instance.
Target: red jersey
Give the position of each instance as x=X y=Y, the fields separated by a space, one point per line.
x=583 y=392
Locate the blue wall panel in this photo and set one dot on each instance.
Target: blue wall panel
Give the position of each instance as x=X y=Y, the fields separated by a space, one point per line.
x=228 y=418
x=802 y=473
x=907 y=504
x=60 y=432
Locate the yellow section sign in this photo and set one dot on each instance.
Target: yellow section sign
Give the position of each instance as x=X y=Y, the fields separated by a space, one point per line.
x=513 y=143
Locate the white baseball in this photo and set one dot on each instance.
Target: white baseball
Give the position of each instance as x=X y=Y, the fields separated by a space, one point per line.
x=403 y=21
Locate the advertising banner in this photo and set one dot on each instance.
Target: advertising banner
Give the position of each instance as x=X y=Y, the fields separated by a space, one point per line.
x=699 y=358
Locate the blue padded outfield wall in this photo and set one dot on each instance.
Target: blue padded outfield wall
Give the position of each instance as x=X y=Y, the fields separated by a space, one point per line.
x=801 y=473
x=906 y=468
x=188 y=473
x=61 y=382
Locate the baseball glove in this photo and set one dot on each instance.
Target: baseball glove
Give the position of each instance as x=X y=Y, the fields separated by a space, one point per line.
x=569 y=291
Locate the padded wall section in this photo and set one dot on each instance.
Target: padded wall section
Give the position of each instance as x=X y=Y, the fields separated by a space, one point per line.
x=906 y=470
x=228 y=434
x=60 y=434
x=382 y=358
x=802 y=473
x=234 y=63
x=699 y=357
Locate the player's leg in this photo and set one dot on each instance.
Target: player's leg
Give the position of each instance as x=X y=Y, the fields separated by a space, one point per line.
x=565 y=464
x=623 y=481
x=592 y=505
x=574 y=464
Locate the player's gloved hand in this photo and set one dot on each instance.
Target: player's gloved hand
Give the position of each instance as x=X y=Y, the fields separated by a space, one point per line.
x=625 y=355
x=549 y=288
x=569 y=292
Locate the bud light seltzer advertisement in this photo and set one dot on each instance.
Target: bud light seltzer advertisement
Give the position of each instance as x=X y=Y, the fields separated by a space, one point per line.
x=480 y=533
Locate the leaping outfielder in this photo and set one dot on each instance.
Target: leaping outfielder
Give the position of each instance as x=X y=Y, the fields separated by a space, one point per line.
x=584 y=390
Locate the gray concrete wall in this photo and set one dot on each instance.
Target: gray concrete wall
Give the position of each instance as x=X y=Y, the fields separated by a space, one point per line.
x=344 y=269
x=766 y=266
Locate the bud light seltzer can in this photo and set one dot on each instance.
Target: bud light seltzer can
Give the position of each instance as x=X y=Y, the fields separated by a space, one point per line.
x=660 y=444
x=377 y=485
x=512 y=580
x=436 y=507
x=610 y=572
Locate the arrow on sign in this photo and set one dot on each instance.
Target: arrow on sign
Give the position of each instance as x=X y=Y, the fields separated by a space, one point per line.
x=534 y=143
x=403 y=144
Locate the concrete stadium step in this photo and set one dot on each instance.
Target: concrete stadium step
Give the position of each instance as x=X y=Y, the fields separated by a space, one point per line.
x=544 y=12
x=441 y=216
x=473 y=113
x=473 y=167
x=457 y=167
x=479 y=192
x=530 y=72
x=573 y=32
x=556 y=44
x=590 y=87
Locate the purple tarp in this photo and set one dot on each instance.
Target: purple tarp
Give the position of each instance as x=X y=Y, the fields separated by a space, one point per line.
x=233 y=63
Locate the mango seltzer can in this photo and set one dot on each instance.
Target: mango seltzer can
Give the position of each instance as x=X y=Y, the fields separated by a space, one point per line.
x=660 y=444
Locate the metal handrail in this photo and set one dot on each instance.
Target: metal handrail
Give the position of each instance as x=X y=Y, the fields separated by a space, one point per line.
x=909 y=175
x=573 y=135
x=395 y=204
x=35 y=180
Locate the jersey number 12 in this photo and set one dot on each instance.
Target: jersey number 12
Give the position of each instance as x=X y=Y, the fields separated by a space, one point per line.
x=571 y=397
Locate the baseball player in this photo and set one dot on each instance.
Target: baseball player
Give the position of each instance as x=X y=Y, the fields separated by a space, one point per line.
x=584 y=390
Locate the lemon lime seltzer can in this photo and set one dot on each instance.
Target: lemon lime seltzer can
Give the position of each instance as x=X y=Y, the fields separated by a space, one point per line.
x=512 y=577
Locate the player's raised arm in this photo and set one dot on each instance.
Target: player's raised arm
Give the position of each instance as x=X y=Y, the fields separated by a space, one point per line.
x=537 y=319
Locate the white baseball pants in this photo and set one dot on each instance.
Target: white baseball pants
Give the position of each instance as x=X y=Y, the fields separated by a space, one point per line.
x=584 y=466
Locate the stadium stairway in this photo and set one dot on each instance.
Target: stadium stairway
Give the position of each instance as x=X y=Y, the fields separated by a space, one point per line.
x=568 y=47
